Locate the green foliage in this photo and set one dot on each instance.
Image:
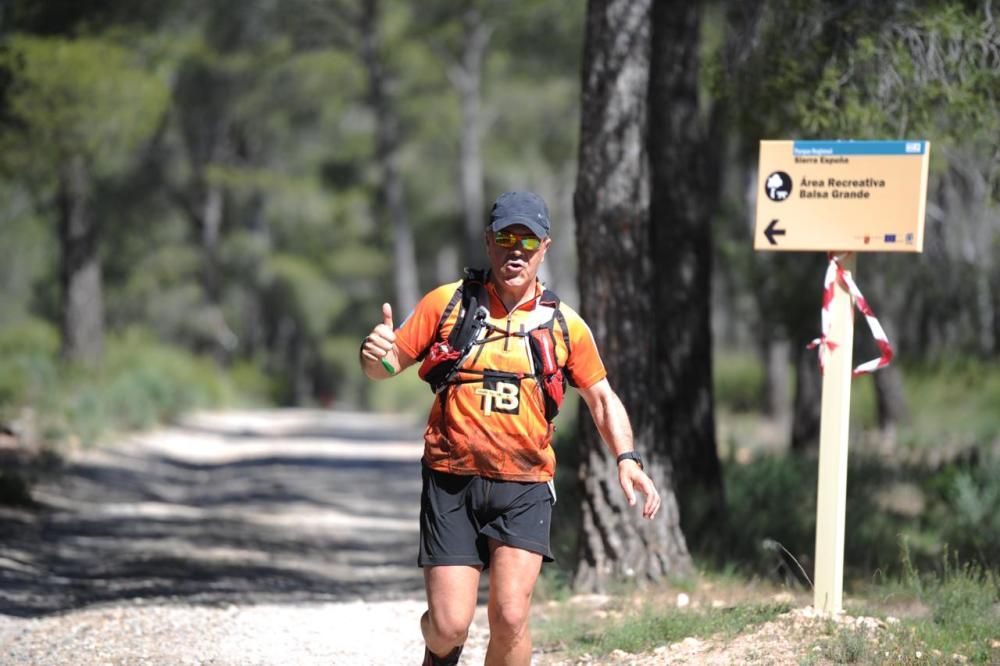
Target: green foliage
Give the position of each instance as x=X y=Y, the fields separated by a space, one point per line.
x=32 y=337
x=250 y=384
x=905 y=69
x=973 y=502
x=903 y=75
x=141 y=383
x=77 y=97
x=953 y=405
x=771 y=499
x=271 y=113
x=405 y=393
x=26 y=254
x=964 y=503
x=296 y=289
x=28 y=350
x=553 y=584
x=339 y=355
x=737 y=382
x=771 y=506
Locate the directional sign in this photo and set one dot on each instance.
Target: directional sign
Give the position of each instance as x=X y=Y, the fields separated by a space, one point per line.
x=866 y=196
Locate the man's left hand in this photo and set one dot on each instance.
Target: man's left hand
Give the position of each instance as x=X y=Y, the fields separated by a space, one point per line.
x=632 y=479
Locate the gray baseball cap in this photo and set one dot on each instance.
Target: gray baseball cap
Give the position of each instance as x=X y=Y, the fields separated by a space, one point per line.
x=525 y=208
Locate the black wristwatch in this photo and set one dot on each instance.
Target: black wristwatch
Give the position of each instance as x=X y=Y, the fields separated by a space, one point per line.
x=631 y=455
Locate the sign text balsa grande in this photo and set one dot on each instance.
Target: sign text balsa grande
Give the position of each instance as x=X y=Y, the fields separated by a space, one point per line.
x=842 y=195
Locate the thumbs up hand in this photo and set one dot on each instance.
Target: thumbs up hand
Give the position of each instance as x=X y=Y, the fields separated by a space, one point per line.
x=381 y=342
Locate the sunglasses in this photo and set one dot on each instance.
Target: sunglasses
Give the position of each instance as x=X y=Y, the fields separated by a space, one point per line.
x=505 y=239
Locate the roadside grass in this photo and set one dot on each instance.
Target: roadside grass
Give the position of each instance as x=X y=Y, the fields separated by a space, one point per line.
x=577 y=631
x=947 y=615
x=958 y=620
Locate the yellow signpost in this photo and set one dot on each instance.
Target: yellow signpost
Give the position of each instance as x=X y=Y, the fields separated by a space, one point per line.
x=842 y=197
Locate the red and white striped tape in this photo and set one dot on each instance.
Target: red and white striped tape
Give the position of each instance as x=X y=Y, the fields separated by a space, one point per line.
x=836 y=273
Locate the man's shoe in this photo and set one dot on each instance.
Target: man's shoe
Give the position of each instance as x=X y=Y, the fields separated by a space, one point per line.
x=431 y=659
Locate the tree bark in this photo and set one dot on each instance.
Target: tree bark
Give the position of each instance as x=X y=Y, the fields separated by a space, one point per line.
x=777 y=398
x=808 y=399
x=684 y=188
x=80 y=267
x=890 y=304
x=467 y=78
x=205 y=95
x=392 y=209
x=611 y=208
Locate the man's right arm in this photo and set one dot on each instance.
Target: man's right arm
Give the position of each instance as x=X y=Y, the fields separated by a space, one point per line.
x=380 y=348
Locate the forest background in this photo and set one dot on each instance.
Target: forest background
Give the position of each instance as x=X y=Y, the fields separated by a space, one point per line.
x=205 y=204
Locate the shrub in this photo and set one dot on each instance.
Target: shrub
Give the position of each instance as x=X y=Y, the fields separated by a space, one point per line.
x=738 y=382
x=770 y=498
x=969 y=511
x=141 y=382
x=28 y=358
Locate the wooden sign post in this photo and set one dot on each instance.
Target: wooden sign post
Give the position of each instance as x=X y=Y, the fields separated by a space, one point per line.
x=835 y=416
x=839 y=196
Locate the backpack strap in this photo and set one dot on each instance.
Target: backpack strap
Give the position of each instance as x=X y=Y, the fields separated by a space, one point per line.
x=462 y=296
x=443 y=358
x=473 y=295
x=550 y=376
x=550 y=299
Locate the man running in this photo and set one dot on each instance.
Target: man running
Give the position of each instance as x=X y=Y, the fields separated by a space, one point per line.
x=497 y=348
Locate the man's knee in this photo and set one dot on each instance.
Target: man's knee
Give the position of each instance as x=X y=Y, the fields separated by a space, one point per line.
x=509 y=618
x=449 y=626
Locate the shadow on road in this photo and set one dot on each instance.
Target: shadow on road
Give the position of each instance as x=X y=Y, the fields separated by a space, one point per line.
x=280 y=523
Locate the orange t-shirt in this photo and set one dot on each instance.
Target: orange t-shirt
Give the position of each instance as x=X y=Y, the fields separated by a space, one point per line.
x=492 y=422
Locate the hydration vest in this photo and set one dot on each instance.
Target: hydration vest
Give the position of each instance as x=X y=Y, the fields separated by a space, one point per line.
x=443 y=361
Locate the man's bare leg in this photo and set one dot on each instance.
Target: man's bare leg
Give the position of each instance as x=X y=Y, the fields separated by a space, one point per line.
x=513 y=573
x=451 y=601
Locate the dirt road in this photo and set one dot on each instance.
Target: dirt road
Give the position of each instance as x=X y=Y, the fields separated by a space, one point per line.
x=276 y=537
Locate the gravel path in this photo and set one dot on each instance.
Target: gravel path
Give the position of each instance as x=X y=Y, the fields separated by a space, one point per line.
x=280 y=537
x=268 y=537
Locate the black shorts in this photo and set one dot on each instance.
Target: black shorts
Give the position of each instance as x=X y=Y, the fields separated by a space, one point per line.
x=459 y=514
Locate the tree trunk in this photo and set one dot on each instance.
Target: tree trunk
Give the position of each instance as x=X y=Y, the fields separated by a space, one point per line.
x=211 y=233
x=890 y=304
x=392 y=209
x=808 y=399
x=611 y=207
x=777 y=400
x=80 y=267
x=890 y=401
x=468 y=80
x=684 y=188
